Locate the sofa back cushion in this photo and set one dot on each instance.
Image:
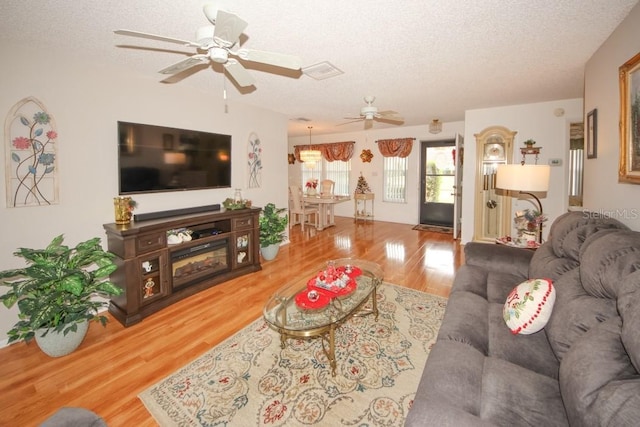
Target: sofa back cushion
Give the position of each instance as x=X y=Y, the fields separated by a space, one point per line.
x=628 y=306
x=561 y=253
x=606 y=259
x=575 y=313
x=600 y=346
x=588 y=295
x=569 y=231
x=546 y=264
x=599 y=385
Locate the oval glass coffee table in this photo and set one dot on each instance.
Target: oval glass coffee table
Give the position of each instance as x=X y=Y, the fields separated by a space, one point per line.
x=315 y=304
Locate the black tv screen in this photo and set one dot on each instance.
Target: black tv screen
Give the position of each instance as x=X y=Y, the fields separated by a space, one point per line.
x=158 y=158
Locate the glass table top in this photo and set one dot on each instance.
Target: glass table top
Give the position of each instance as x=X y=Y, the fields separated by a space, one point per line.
x=290 y=308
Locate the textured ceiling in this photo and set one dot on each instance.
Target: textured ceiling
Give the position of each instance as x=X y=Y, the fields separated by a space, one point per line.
x=423 y=59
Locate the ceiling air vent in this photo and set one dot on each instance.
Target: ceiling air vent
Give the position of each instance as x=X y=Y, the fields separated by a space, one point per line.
x=321 y=71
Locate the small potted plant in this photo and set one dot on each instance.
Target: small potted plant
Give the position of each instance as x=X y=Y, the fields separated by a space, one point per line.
x=272 y=227
x=529 y=143
x=55 y=293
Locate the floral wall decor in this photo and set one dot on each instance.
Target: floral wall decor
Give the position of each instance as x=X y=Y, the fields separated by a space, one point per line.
x=31 y=172
x=254 y=161
x=366 y=156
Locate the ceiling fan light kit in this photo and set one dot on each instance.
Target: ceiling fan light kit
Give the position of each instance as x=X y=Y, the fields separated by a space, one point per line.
x=218 y=55
x=217 y=41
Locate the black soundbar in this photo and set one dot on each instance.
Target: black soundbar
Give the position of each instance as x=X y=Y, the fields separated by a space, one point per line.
x=175 y=212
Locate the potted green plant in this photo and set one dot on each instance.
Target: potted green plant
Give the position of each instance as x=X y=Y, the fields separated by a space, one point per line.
x=529 y=143
x=272 y=227
x=56 y=291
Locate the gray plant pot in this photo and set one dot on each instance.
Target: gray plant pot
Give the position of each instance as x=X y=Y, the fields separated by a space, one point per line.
x=56 y=344
x=270 y=252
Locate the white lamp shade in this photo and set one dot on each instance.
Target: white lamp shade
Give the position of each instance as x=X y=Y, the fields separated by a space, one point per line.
x=519 y=177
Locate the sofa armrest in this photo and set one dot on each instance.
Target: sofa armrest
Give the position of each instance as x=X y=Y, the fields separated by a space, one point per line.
x=498 y=257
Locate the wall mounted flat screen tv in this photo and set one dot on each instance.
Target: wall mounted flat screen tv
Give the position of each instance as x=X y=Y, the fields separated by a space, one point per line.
x=158 y=158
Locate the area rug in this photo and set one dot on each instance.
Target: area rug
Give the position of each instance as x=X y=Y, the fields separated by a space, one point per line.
x=435 y=228
x=248 y=380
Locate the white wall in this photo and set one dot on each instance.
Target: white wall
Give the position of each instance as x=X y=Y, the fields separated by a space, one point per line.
x=405 y=213
x=86 y=102
x=603 y=193
x=531 y=121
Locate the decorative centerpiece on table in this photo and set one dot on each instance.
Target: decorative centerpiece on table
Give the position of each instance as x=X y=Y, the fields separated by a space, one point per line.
x=332 y=282
x=528 y=224
x=311 y=186
x=362 y=187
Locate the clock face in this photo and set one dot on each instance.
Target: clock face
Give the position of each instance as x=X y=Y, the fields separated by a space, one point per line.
x=494 y=151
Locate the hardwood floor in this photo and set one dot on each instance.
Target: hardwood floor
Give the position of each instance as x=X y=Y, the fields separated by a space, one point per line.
x=114 y=364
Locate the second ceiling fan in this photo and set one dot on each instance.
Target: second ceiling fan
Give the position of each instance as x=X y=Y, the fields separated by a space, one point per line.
x=369 y=113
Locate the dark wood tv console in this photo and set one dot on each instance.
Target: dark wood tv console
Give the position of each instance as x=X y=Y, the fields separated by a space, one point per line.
x=155 y=273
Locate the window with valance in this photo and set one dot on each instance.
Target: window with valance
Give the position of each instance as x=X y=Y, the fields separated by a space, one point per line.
x=398 y=147
x=395 y=164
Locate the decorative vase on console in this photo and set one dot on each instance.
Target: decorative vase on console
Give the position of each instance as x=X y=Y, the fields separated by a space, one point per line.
x=123 y=207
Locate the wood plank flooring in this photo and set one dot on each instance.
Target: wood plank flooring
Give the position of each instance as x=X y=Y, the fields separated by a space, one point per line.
x=114 y=364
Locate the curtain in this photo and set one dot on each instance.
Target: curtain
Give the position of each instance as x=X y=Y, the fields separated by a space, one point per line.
x=330 y=152
x=399 y=147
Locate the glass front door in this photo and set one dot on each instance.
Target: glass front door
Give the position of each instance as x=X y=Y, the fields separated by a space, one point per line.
x=438 y=183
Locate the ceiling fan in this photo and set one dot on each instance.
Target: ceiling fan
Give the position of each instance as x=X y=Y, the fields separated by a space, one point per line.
x=215 y=43
x=369 y=113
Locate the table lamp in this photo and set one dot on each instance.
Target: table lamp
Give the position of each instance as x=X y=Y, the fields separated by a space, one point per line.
x=526 y=179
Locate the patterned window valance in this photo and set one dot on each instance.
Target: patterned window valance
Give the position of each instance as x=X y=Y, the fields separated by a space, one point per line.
x=332 y=151
x=399 y=147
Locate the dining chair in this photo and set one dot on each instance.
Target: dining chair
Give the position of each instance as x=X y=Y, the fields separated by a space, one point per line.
x=299 y=211
x=326 y=188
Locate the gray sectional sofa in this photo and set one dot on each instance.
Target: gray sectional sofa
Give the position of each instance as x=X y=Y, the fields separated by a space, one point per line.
x=582 y=369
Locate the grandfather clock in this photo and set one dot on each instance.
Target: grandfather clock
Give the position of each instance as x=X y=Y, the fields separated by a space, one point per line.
x=494 y=146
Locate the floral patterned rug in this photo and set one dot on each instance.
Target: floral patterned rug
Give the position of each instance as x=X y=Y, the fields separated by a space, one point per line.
x=249 y=380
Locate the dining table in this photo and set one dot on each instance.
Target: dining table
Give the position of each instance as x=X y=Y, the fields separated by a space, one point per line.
x=326 y=206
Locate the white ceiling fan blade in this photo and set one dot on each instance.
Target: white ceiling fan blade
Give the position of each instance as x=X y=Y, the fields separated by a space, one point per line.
x=210 y=11
x=228 y=28
x=349 y=122
x=391 y=118
x=271 y=58
x=156 y=37
x=239 y=73
x=184 y=64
